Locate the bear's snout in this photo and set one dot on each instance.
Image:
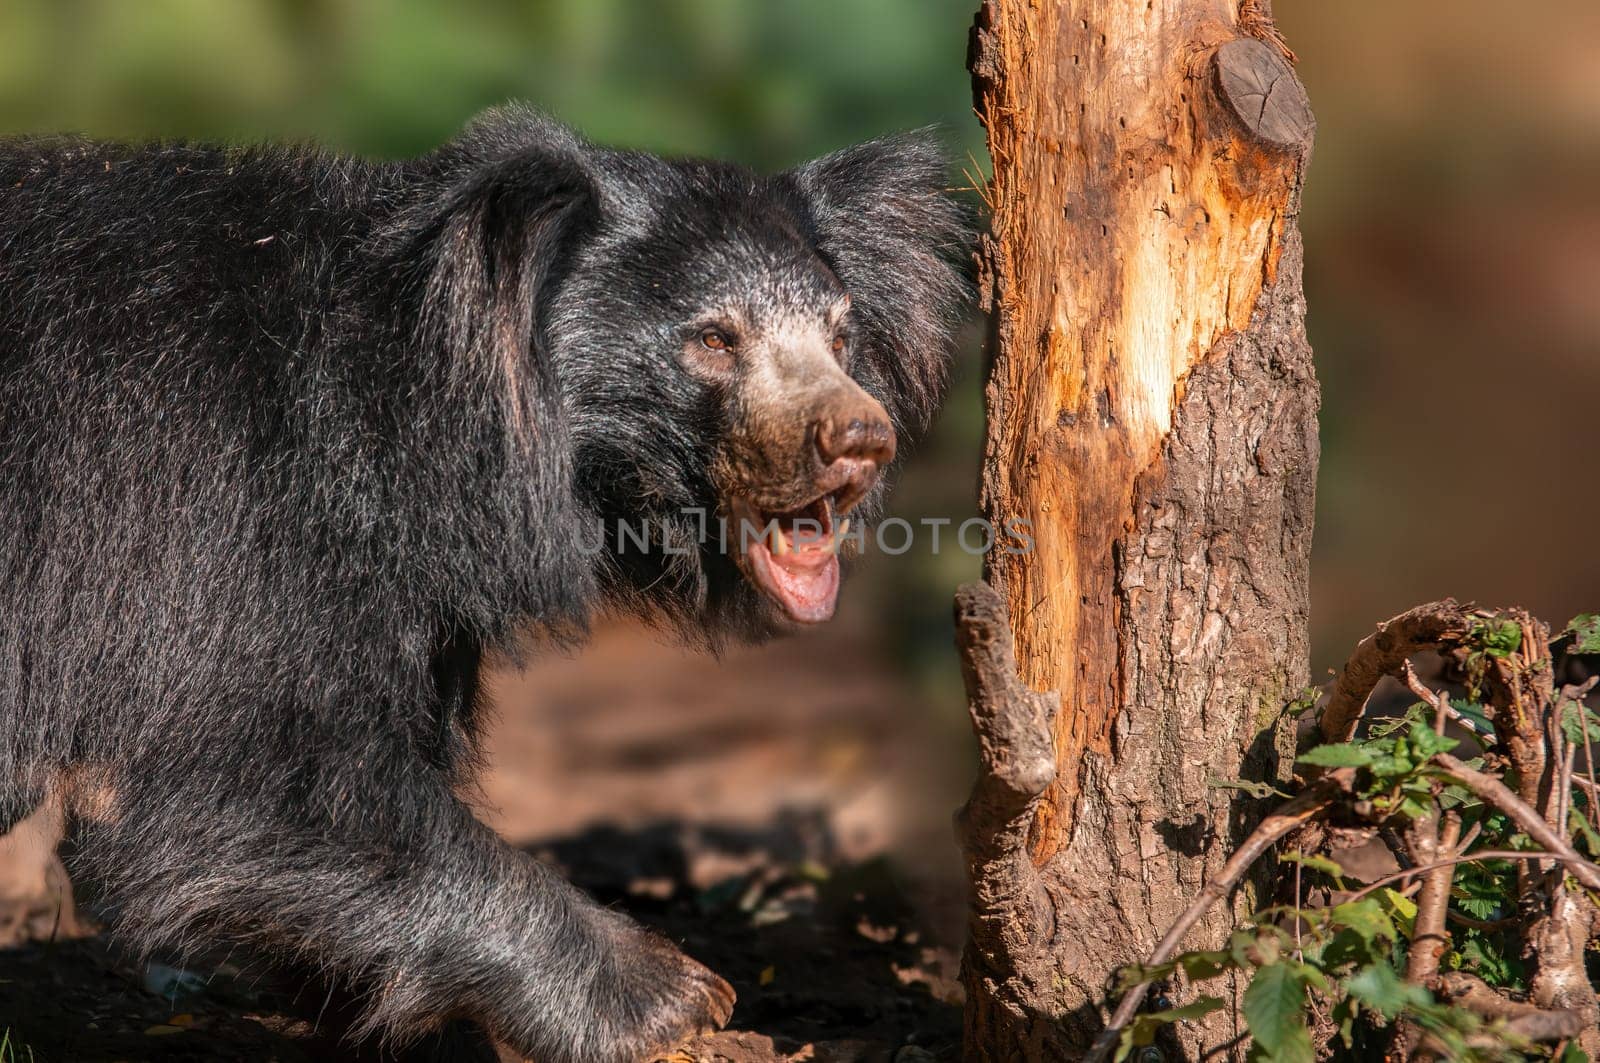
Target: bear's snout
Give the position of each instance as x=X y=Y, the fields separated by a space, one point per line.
x=862 y=434
x=853 y=442
x=815 y=443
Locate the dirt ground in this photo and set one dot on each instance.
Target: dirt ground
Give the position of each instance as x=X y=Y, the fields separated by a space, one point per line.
x=783 y=813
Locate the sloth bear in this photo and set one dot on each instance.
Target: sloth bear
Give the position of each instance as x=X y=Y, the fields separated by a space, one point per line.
x=288 y=440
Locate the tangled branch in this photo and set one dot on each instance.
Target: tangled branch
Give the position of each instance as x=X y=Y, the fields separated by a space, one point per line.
x=1405 y=785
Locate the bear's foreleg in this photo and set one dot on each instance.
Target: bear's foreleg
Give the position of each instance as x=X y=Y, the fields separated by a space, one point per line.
x=417 y=905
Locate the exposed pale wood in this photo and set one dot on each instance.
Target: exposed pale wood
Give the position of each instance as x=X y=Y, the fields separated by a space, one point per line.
x=1152 y=417
x=1135 y=223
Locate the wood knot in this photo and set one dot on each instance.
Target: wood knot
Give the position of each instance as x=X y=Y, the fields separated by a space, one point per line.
x=1258 y=86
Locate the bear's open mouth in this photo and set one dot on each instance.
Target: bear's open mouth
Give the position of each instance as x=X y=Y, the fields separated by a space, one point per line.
x=793 y=556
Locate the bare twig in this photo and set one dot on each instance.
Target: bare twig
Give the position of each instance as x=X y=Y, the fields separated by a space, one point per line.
x=1461 y=919
x=1525 y=725
x=1440 y=701
x=1430 y=938
x=1465 y=858
x=1496 y=793
x=1562 y=798
x=1576 y=692
x=1298 y=810
x=1299 y=951
x=1561 y=754
x=1429 y=840
x=1442 y=709
x=1525 y=1020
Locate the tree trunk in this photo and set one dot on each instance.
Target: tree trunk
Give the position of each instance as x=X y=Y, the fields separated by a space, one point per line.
x=1152 y=415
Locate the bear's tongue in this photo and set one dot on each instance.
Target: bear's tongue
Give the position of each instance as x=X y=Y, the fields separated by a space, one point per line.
x=805 y=582
x=796 y=561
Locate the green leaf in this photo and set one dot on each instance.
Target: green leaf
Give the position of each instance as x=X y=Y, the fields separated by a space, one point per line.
x=1134 y=975
x=1585 y=631
x=1347 y=948
x=1573 y=1054
x=1312 y=862
x=1452 y=796
x=1478 y=907
x=1425 y=742
x=1575 y=718
x=1391 y=766
x=1415 y=714
x=1311 y=976
x=1484 y=955
x=1380 y=988
x=1241 y=946
x=1497 y=638
x=1580 y=825
x=1401 y=907
x=1142 y=1030
x=1411 y=808
x=1368 y=918
x=1341 y=755
x=1399 y=903
x=1257 y=946
x=1305 y=702
x=1287 y=914
x=1254 y=789
x=1475 y=714
x=1274 y=1010
x=1199 y=966
x=1344 y=1015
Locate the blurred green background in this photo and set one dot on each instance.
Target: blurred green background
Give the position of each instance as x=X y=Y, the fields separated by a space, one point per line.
x=764 y=82
x=1451 y=219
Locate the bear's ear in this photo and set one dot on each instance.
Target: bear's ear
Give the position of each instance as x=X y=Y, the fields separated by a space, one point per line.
x=482 y=252
x=882 y=216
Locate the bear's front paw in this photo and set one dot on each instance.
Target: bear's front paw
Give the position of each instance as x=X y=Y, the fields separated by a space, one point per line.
x=679 y=997
x=646 y=999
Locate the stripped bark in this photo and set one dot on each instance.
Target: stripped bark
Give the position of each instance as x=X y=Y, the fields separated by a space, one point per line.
x=1152 y=415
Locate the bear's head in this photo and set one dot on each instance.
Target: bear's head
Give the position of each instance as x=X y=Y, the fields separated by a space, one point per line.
x=735 y=359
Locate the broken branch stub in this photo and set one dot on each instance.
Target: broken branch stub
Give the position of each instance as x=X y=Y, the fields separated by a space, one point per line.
x=1263 y=93
x=1016 y=756
x=1383 y=653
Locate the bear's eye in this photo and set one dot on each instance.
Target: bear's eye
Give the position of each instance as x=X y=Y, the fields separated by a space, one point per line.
x=839 y=343
x=716 y=339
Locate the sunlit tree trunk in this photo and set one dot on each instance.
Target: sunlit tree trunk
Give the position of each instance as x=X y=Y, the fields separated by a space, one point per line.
x=1152 y=415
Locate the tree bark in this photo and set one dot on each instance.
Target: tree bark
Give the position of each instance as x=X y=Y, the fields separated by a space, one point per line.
x=1152 y=416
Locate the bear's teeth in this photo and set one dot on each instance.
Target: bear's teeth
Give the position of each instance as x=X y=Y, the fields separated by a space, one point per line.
x=780 y=543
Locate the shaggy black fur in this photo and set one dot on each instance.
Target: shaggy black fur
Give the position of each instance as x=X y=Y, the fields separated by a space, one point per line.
x=287 y=439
